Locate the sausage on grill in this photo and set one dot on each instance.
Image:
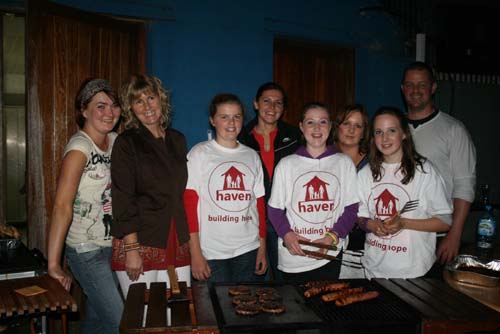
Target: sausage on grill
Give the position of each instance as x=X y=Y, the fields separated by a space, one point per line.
x=326 y=288
x=331 y=297
x=359 y=297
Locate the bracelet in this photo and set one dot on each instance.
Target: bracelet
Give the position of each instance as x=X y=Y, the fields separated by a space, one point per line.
x=334 y=237
x=132 y=248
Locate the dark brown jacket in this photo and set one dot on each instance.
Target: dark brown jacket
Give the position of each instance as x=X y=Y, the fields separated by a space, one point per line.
x=149 y=177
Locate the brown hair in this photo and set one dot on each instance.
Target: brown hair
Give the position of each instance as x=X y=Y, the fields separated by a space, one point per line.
x=345 y=114
x=224 y=98
x=411 y=159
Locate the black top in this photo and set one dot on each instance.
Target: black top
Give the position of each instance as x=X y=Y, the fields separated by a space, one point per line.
x=149 y=176
x=286 y=142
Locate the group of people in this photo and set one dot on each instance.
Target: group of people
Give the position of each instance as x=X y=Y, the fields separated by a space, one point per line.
x=239 y=207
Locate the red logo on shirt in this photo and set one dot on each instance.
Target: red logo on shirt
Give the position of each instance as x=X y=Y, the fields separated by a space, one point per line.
x=234 y=188
x=385 y=200
x=386 y=204
x=228 y=186
x=315 y=195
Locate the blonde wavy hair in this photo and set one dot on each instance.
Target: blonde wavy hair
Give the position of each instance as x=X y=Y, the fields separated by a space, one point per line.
x=133 y=88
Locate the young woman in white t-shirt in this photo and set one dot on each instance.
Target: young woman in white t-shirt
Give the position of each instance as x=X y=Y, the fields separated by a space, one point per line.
x=224 y=201
x=313 y=198
x=399 y=246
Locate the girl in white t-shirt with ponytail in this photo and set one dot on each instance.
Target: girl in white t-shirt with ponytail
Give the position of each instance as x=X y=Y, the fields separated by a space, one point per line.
x=224 y=201
x=399 y=246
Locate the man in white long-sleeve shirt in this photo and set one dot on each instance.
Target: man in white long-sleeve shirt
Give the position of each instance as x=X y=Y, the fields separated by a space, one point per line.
x=446 y=142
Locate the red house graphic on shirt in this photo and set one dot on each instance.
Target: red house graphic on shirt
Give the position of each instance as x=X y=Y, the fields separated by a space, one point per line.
x=233 y=179
x=316 y=190
x=386 y=204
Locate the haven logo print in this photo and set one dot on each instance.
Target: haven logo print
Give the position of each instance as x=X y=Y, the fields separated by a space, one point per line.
x=230 y=186
x=386 y=204
x=316 y=196
x=385 y=200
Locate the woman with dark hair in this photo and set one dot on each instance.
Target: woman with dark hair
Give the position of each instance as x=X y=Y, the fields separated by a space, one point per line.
x=225 y=201
x=399 y=245
x=272 y=139
x=312 y=199
x=350 y=136
x=82 y=208
x=149 y=177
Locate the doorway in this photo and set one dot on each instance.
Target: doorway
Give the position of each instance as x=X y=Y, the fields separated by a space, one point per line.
x=311 y=71
x=13 y=122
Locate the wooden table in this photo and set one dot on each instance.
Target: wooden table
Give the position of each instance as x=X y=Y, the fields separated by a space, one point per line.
x=192 y=315
x=55 y=299
x=489 y=296
x=443 y=309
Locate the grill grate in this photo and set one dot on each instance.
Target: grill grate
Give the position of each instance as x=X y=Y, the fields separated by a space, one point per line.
x=387 y=310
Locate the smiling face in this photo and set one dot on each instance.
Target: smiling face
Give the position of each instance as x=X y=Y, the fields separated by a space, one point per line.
x=147 y=108
x=269 y=106
x=316 y=127
x=227 y=121
x=101 y=114
x=389 y=137
x=350 y=131
x=417 y=90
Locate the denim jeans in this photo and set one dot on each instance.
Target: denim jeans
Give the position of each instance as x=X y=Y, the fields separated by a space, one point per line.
x=237 y=269
x=104 y=304
x=272 y=254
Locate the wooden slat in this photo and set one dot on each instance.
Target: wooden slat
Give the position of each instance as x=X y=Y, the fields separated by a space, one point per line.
x=21 y=300
x=423 y=308
x=133 y=312
x=443 y=310
x=472 y=308
x=157 y=316
x=16 y=306
x=181 y=315
x=203 y=309
x=450 y=309
x=10 y=305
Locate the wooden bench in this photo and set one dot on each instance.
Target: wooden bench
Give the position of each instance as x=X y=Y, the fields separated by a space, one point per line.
x=192 y=315
x=55 y=299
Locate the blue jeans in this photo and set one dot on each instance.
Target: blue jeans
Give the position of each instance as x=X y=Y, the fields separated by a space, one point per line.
x=237 y=269
x=104 y=304
x=272 y=254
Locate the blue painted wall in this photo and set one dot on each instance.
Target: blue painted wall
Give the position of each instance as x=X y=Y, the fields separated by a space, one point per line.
x=200 y=48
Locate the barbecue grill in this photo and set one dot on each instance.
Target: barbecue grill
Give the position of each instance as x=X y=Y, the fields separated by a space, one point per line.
x=387 y=312
x=426 y=306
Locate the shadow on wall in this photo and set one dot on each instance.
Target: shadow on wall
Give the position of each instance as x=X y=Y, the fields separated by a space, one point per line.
x=474 y=100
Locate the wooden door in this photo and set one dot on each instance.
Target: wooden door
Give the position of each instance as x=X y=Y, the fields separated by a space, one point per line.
x=313 y=72
x=65 y=46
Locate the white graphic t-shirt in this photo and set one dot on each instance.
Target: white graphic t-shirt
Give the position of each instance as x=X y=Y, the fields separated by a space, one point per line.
x=314 y=193
x=228 y=183
x=408 y=253
x=92 y=214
